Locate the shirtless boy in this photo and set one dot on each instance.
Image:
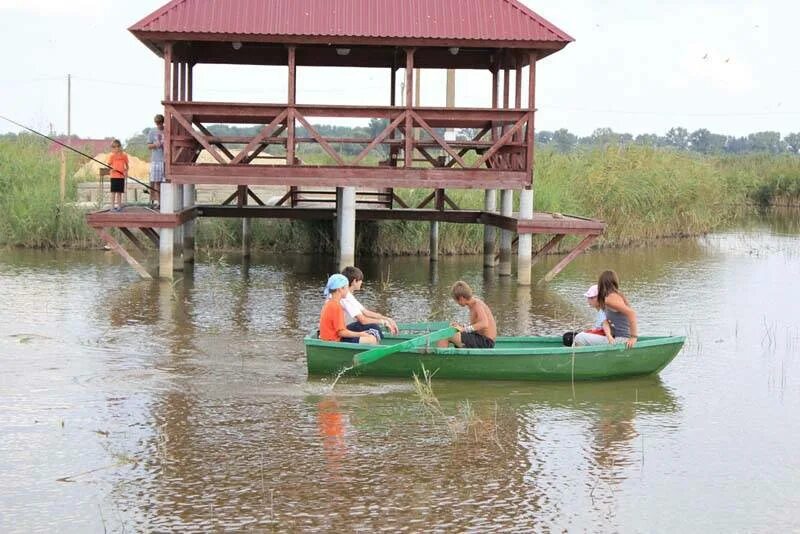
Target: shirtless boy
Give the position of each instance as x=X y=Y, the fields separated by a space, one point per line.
x=481 y=331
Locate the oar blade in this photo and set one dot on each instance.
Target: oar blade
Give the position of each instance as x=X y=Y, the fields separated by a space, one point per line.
x=377 y=353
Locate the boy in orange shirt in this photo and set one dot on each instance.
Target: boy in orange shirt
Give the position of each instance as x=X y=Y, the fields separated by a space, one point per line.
x=118 y=161
x=331 y=319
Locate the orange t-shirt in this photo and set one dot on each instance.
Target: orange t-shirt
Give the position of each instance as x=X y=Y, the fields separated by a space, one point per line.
x=331 y=320
x=119 y=164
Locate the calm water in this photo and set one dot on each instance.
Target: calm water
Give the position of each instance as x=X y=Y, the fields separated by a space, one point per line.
x=135 y=406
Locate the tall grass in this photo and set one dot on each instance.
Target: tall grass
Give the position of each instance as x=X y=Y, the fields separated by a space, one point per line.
x=642 y=193
x=31 y=211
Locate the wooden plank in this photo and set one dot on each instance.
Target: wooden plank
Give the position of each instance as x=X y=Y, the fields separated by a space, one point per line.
x=116 y=247
x=439 y=139
x=500 y=143
x=290 y=140
x=255 y=197
x=258 y=139
x=134 y=240
x=217 y=144
x=319 y=213
x=200 y=139
x=424 y=202
x=346 y=176
x=583 y=245
x=151 y=234
x=388 y=130
x=555 y=240
x=321 y=140
x=230 y=198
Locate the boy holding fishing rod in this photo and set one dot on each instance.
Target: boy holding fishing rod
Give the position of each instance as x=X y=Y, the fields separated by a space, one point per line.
x=155 y=142
x=118 y=161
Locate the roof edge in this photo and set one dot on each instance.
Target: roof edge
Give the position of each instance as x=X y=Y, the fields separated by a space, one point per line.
x=172 y=4
x=541 y=20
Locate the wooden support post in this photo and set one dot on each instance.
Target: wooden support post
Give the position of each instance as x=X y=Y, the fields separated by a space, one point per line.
x=176 y=79
x=292 y=89
x=518 y=90
x=554 y=241
x=185 y=79
x=583 y=245
x=506 y=236
x=489 y=206
x=529 y=134
x=525 y=244
x=408 y=152
x=189 y=82
x=116 y=247
x=167 y=114
x=134 y=240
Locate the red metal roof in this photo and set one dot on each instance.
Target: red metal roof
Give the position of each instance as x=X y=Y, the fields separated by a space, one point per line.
x=458 y=20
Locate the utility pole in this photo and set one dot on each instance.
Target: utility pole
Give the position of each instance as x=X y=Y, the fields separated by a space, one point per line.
x=69 y=105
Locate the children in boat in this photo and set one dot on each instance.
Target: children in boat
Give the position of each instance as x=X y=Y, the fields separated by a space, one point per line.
x=481 y=331
x=331 y=319
x=618 y=311
x=358 y=317
x=601 y=332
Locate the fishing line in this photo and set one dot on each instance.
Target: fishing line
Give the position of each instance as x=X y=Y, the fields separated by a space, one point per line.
x=73 y=149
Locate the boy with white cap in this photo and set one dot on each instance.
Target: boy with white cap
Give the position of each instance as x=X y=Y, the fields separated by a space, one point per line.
x=601 y=332
x=331 y=319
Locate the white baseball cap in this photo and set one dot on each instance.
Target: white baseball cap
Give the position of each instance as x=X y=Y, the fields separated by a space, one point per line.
x=591 y=292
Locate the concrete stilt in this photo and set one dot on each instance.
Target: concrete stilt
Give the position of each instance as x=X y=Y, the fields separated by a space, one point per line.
x=178 y=232
x=166 y=253
x=489 y=205
x=188 y=227
x=506 y=236
x=525 y=245
x=347 y=236
x=337 y=227
x=246 y=238
x=434 y=242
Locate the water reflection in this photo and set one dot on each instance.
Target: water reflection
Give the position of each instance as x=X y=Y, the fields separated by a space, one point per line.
x=195 y=394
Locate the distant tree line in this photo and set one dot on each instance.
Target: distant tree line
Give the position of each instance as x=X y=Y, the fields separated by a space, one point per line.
x=702 y=141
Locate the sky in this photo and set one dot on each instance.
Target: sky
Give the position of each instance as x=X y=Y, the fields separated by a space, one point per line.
x=636 y=66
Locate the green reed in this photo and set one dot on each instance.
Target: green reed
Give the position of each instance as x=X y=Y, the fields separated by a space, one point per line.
x=31 y=211
x=642 y=193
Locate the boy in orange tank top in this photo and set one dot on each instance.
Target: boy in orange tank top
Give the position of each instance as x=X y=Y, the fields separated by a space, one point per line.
x=118 y=161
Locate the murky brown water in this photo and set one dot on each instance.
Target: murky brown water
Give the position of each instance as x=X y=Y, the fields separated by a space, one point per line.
x=135 y=406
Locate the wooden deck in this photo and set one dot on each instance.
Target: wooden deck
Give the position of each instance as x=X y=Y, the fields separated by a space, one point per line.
x=134 y=219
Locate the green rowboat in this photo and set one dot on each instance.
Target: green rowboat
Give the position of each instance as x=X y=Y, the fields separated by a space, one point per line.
x=513 y=358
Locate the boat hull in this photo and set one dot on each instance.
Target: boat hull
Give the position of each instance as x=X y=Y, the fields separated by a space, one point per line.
x=513 y=358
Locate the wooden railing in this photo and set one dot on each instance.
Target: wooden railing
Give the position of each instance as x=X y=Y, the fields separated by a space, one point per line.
x=412 y=139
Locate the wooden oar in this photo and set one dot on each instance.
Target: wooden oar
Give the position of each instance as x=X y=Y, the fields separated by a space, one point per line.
x=369 y=356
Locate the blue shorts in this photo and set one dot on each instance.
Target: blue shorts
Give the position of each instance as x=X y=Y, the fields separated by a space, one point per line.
x=372 y=328
x=157 y=171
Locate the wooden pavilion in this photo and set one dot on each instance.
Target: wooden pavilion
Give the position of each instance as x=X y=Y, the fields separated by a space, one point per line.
x=499 y=36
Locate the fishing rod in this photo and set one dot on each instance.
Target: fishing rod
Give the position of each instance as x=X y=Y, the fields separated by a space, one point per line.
x=73 y=149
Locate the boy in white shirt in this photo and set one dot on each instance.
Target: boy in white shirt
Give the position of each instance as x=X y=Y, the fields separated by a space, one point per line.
x=357 y=317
